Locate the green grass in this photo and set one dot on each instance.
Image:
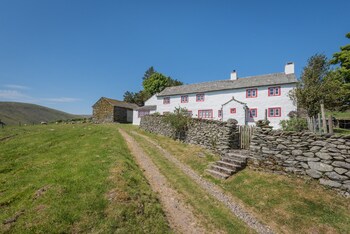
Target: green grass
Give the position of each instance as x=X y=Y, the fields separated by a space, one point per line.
x=339 y=115
x=214 y=215
x=92 y=182
x=287 y=203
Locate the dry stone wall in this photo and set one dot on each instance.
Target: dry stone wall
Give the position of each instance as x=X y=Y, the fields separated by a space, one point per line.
x=322 y=157
x=214 y=135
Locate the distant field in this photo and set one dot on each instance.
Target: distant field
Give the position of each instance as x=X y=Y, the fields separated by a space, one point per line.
x=73 y=179
x=13 y=113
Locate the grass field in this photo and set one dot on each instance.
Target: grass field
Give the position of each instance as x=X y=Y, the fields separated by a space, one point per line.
x=289 y=204
x=73 y=178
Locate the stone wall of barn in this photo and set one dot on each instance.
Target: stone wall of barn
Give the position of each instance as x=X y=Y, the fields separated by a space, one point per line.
x=103 y=112
x=322 y=157
x=211 y=134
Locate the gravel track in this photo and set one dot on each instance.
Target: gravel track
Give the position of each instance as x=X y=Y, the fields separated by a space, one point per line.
x=179 y=215
x=215 y=191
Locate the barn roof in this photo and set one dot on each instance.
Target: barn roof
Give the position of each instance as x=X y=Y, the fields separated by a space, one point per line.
x=118 y=103
x=150 y=107
x=251 y=81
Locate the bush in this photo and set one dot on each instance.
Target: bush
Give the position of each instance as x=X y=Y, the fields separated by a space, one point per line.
x=263 y=123
x=294 y=124
x=179 y=121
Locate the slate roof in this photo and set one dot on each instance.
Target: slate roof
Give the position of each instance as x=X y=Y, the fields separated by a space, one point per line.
x=118 y=103
x=150 y=107
x=246 y=82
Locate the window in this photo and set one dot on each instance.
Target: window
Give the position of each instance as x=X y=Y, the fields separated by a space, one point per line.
x=252 y=93
x=143 y=113
x=233 y=110
x=189 y=113
x=200 y=97
x=274 y=112
x=184 y=99
x=205 y=114
x=253 y=112
x=274 y=91
x=166 y=100
x=219 y=113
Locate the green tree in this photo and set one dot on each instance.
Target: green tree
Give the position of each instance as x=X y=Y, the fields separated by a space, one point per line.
x=318 y=84
x=342 y=73
x=157 y=82
x=150 y=71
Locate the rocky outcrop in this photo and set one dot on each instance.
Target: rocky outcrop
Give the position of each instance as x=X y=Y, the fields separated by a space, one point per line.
x=214 y=135
x=322 y=157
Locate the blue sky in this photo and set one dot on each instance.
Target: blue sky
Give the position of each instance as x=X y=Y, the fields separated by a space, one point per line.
x=66 y=54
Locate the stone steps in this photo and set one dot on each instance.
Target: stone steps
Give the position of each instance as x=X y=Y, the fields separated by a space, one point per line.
x=229 y=164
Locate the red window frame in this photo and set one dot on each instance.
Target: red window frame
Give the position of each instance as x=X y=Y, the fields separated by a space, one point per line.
x=189 y=112
x=166 y=100
x=184 y=99
x=273 y=114
x=200 y=95
x=250 y=112
x=233 y=110
x=278 y=88
x=209 y=111
x=142 y=113
x=219 y=113
x=250 y=93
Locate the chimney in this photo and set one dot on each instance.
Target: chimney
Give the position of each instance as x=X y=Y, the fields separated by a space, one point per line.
x=289 y=68
x=233 y=75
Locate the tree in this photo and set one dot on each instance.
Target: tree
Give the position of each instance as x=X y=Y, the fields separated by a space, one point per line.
x=317 y=84
x=343 y=72
x=343 y=58
x=150 y=71
x=157 y=82
x=138 y=98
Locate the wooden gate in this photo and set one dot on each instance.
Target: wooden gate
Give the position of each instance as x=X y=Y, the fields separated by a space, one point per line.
x=245 y=135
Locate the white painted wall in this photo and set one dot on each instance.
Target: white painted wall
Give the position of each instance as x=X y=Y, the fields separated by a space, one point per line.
x=151 y=101
x=214 y=101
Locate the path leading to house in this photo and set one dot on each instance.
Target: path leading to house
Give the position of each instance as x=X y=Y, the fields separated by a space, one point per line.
x=180 y=215
x=214 y=191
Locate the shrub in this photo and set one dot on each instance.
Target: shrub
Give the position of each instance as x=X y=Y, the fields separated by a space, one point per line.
x=294 y=124
x=263 y=123
x=179 y=121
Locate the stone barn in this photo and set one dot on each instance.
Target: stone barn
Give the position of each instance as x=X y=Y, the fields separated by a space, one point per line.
x=107 y=110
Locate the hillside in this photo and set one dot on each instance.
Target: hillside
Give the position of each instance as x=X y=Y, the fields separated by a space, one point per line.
x=11 y=113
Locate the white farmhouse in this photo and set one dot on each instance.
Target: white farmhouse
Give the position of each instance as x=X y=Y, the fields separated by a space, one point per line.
x=245 y=99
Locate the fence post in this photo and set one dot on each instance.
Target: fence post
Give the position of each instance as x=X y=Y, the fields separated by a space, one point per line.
x=324 y=118
x=319 y=123
x=330 y=124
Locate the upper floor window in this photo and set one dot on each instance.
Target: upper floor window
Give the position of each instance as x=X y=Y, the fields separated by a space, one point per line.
x=184 y=99
x=143 y=113
x=253 y=112
x=233 y=110
x=205 y=114
x=200 y=97
x=166 y=100
x=274 y=112
x=274 y=91
x=251 y=93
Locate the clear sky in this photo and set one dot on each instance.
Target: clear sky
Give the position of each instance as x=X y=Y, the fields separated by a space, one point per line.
x=66 y=54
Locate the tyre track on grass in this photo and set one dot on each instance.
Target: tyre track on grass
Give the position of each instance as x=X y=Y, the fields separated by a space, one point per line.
x=214 y=191
x=180 y=215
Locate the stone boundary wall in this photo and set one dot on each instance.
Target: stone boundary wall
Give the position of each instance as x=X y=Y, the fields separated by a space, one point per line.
x=211 y=134
x=322 y=157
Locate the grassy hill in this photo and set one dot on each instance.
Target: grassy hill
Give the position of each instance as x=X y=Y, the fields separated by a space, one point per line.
x=12 y=113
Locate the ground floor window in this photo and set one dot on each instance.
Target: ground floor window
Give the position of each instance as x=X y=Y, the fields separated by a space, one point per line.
x=205 y=114
x=274 y=112
x=143 y=113
x=253 y=112
x=220 y=113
